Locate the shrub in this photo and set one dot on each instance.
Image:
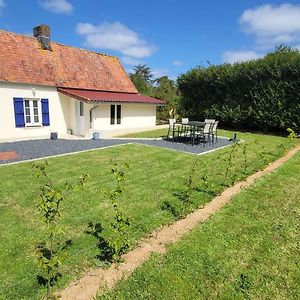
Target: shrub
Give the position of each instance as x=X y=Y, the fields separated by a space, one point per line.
x=262 y=94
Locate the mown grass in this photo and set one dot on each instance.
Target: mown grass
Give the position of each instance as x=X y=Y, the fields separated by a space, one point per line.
x=148 y=134
x=161 y=133
x=154 y=175
x=248 y=250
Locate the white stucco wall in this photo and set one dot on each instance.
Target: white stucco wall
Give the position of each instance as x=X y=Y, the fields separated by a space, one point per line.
x=58 y=110
x=64 y=114
x=132 y=116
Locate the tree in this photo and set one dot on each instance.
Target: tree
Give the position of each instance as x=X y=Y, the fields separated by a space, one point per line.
x=162 y=88
x=166 y=89
x=143 y=71
x=142 y=79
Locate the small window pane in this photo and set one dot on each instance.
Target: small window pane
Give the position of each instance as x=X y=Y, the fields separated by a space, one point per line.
x=36 y=111
x=35 y=104
x=27 y=111
x=28 y=120
x=118 y=114
x=36 y=119
x=26 y=103
x=112 y=114
x=81 y=112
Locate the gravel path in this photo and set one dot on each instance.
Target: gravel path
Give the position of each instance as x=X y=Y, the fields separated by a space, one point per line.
x=32 y=149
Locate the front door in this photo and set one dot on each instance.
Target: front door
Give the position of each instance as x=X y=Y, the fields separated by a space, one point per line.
x=79 y=110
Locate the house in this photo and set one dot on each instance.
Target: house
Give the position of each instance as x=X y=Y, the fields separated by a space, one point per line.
x=49 y=87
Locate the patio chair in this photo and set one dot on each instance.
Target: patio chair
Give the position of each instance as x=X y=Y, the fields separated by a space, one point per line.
x=207 y=131
x=214 y=133
x=197 y=134
x=171 y=127
x=185 y=131
x=209 y=120
x=174 y=129
x=185 y=121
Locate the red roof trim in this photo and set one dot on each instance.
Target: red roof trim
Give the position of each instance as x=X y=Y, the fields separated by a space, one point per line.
x=101 y=96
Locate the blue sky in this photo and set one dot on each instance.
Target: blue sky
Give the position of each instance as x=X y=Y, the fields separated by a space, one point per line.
x=171 y=36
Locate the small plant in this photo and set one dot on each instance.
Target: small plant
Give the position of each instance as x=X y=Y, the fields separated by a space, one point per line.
x=184 y=196
x=113 y=241
x=229 y=161
x=51 y=250
x=292 y=134
x=245 y=159
x=262 y=154
x=204 y=184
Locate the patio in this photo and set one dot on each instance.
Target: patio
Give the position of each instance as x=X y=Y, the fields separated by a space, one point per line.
x=35 y=149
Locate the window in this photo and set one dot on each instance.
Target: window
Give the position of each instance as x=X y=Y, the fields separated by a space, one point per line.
x=112 y=114
x=81 y=111
x=118 y=114
x=32 y=112
x=115 y=111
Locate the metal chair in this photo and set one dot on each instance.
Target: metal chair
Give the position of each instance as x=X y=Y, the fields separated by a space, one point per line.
x=207 y=131
x=185 y=121
x=174 y=128
x=171 y=127
x=214 y=133
x=197 y=134
x=209 y=120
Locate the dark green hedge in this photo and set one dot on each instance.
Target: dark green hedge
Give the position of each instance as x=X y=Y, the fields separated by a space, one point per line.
x=262 y=94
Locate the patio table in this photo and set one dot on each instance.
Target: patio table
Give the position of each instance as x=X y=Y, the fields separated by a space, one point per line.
x=191 y=127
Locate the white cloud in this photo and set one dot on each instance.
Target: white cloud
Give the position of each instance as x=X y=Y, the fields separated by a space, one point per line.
x=2 y=5
x=177 y=63
x=117 y=37
x=57 y=6
x=238 y=56
x=131 y=61
x=159 y=72
x=272 y=25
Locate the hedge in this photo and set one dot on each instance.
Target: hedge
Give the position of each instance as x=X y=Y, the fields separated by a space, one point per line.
x=262 y=94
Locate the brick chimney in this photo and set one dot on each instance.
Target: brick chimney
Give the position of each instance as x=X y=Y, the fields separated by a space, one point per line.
x=42 y=33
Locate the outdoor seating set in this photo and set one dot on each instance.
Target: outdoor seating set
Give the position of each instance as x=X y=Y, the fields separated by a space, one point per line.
x=193 y=131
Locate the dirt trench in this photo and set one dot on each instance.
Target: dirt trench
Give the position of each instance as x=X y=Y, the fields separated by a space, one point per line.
x=95 y=280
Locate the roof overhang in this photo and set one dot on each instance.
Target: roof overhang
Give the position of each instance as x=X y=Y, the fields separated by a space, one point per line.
x=92 y=96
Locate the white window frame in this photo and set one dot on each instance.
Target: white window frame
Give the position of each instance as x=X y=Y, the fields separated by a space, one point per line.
x=32 y=123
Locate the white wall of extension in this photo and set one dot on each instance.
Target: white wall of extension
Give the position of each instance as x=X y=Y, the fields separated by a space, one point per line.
x=132 y=116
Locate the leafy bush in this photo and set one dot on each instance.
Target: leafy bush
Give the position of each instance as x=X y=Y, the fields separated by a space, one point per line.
x=113 y=240
x=261 y=94
x=51 y=249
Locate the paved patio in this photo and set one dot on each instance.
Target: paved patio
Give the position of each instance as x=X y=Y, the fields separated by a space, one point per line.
x=33 y=149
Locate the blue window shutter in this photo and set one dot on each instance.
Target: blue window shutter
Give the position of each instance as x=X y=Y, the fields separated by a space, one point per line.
x=19 y=112
x=45 y=112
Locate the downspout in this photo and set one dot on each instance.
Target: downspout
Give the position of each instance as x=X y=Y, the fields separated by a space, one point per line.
x=91 y=116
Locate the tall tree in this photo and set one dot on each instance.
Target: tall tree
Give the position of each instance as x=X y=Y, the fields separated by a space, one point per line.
x=144 y=72
x=162 y=88
x=166 y=89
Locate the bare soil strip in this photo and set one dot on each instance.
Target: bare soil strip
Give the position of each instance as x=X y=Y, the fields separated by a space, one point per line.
x=95 y=280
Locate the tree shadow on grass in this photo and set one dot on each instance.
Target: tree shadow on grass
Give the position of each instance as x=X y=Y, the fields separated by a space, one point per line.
x=42 y=279
x=105 y=251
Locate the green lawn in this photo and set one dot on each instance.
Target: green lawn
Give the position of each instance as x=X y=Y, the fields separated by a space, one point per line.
x=150 y=167
x=248 y=250
x=148 y=134
x=159 y=133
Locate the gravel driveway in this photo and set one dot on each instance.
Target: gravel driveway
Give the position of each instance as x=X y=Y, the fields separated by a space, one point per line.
x=26 y=150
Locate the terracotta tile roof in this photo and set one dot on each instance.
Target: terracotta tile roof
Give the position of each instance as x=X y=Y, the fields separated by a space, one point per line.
x=99 y=96
x=23 y=61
